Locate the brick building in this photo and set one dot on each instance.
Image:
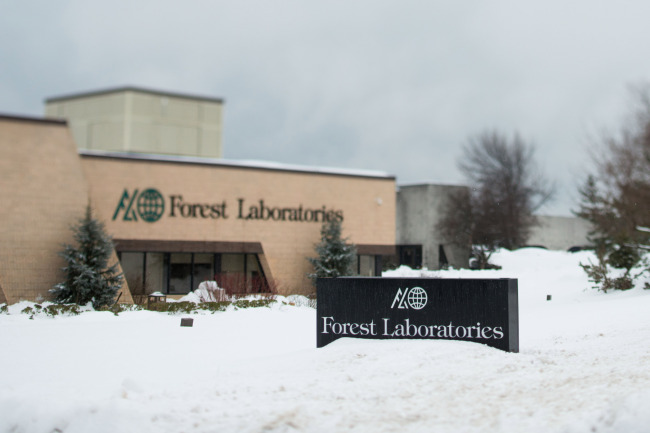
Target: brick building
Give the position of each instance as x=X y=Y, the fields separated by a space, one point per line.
x=177 y=221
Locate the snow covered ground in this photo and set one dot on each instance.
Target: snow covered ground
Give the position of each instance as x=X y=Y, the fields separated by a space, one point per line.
x=584 y=366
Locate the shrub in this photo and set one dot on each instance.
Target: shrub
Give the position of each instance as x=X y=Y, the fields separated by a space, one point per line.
x=336 y=256
x=601 y=275
x=28 y=310
x=213 y=306
x=236 y=284
x=252 y=303
x=185 y=307
x=172 y=307
x=52 y=310
x=120 y=308
x=89 y=278
x=624 y=257
x=62 y=309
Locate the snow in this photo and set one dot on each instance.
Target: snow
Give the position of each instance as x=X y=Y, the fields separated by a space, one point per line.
x=244 y=163
x=208 y=291
x=583 y=366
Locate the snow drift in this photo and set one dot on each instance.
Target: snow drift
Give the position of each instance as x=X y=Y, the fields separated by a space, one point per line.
x=584 y=366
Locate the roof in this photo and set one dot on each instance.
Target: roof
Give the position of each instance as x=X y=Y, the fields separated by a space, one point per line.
x=133 y=89
x=19 y=118
x=245 y=164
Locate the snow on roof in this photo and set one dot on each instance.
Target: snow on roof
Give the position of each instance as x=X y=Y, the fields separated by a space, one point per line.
x=253 y=164
x=430 y=183
x=138 y=89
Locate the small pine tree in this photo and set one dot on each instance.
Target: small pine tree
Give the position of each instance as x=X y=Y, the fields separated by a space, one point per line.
x=610 y=235
x=336 y=257
x=88 y=276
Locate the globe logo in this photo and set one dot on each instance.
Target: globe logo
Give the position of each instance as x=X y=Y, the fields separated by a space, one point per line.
x=417 y=298
x=151 y=205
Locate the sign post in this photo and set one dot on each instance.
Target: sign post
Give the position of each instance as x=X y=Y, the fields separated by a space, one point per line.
x=477 y=310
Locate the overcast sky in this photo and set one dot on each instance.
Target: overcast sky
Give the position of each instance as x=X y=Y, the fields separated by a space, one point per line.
x=396 y=86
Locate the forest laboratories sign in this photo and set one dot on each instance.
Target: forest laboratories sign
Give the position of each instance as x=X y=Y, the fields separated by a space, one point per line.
x=150 y=205
x=477 y=310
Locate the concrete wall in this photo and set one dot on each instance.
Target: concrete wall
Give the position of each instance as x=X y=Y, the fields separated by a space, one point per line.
x=560 y=233
x=43 y=192
x=419 y=209
x=143 y=121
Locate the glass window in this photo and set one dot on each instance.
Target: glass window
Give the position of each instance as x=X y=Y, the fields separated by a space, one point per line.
x=132 y=264
x=203 y=269
x=255 y=281
x=180 y=272
x=155 y=276
x=367 y=265
x=232 y=263
x=233 y=277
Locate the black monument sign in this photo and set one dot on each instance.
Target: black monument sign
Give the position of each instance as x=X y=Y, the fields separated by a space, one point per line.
x=478 y=310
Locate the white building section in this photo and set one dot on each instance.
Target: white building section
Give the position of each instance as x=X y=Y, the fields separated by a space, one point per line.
x=560 y=233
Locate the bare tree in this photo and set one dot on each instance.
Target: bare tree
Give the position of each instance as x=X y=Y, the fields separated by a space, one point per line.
x=506 y=187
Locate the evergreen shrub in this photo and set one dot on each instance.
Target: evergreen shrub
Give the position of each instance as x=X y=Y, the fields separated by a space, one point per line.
x=89 y=278
x=336 y=257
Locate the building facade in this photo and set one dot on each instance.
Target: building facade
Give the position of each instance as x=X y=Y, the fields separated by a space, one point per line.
x=420 y=244
x=149 y=164
x=560 y=233
x=177 y=221
x=420 y=208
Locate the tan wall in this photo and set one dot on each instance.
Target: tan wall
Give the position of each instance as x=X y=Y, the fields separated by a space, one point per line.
x=142 y=121
x=96 y=122
x=176 y=126
x=368 y=205
x=43 y=192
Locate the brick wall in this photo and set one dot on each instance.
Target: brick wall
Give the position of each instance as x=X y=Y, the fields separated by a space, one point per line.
x=43 y=192
x=367 y=203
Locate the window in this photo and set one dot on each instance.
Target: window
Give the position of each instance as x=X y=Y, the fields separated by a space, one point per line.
x=132 y=266
x=181 y=273
x=155 y=273
x=366 y=265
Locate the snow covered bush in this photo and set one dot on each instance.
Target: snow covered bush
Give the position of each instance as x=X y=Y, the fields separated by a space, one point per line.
x=174 y=307
x=253 y=303
x=301 y=301
x=208 y=291
x=188 y=307
x=615 y=271
x=51 y=310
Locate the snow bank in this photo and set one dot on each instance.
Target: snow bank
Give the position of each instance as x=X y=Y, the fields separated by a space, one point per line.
x=583 y=367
